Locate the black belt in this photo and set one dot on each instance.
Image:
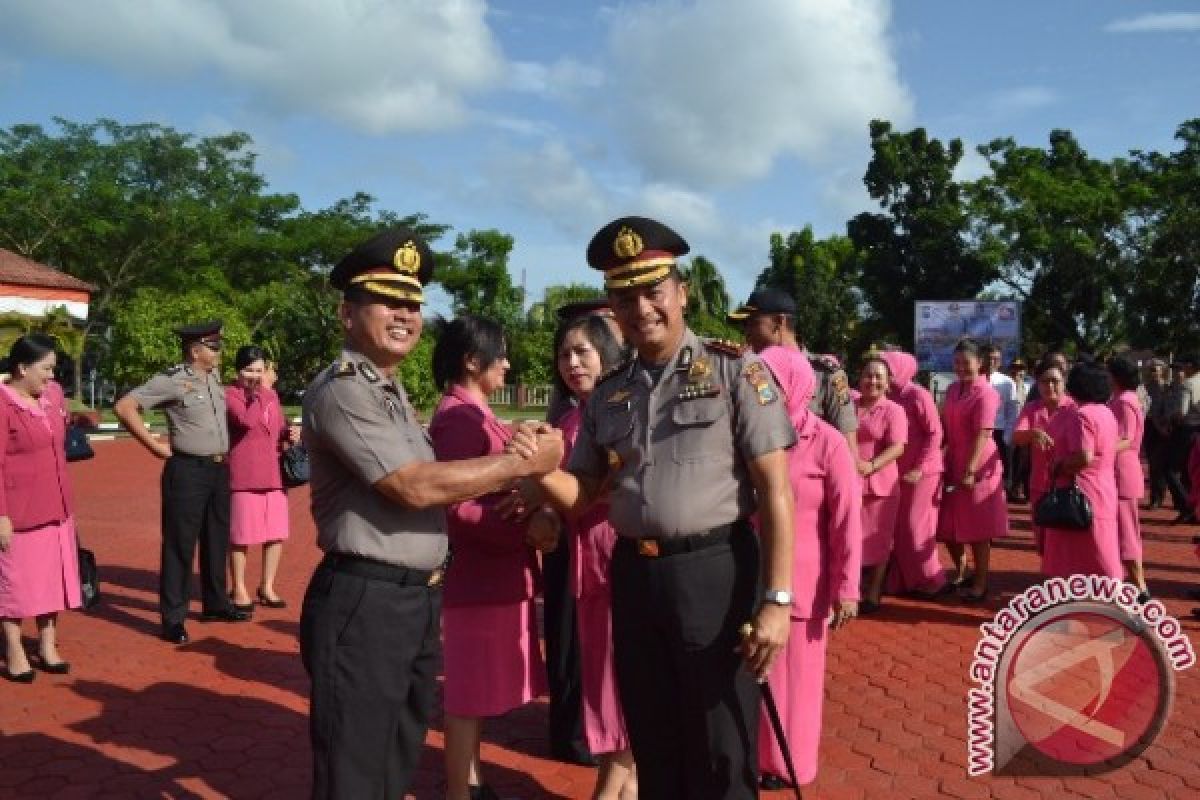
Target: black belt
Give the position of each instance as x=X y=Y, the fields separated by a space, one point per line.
x=215 y=458
x=374 y=570
x=673 y=546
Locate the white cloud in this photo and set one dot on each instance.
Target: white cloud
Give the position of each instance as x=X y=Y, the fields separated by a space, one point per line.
x=376 y=65
x=550 y=182
x=1021 y=99
x=560 y=79
x=712 y=95
x=1168 y=22
x=680 y=208
x=973 y=165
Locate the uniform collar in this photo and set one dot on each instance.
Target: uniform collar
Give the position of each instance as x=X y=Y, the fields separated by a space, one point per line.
x=690 y=348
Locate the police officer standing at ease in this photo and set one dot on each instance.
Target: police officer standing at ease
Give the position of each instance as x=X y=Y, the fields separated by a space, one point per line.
x=195 y=480
x=768 y=318
x=689 y=439
x=371 y=621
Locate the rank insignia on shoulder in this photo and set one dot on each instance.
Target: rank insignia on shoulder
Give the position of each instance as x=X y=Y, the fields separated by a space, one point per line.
x=173 y=371
x=824 y=361
x=368 y=372
x=841 y=386
x=725 y=347
x=619 y=396
x=700 y=369
x=343 y=369
x=756 y=376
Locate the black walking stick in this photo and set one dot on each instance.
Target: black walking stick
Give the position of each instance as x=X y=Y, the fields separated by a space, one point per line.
x=776 y=724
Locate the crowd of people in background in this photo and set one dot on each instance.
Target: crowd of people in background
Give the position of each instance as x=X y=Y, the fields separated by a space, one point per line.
x=881 y=473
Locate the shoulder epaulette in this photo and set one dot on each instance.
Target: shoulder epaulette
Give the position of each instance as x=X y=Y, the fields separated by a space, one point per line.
x=725 y=347
x=615 y=370
x=173 y=371
x=824 y=363
x=343 y=369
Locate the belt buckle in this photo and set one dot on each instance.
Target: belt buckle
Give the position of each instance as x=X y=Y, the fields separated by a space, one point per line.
x=648 y=548
x=435 y=577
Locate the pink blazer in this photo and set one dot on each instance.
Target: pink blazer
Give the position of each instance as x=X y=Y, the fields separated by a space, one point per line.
x=827 y=551
x=880 y=427
x=33 y=463
x=594 y=535
x=1131 y=424
x=924 y=448
x=257 y=428
x=492 y=565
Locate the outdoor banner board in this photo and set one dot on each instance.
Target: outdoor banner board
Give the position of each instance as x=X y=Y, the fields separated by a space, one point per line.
x=940 y=324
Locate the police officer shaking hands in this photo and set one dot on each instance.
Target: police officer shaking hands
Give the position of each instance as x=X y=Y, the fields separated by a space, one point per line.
x=688 y=439
x=371 y=622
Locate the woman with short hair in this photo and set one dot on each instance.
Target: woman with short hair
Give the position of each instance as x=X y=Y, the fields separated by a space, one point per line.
x=1085 y=453
x=1126 y=407
x=1035 y=427
x=258 y=507
x=39 y=562
x=974 y=510
x=492 y=660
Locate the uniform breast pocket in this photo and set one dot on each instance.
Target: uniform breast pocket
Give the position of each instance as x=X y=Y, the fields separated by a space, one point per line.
x=701 y=432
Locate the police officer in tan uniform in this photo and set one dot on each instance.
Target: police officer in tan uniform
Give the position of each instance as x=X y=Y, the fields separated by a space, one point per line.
x=195 y=479
x=767 y=318
x=688 y=439
x=370 y=626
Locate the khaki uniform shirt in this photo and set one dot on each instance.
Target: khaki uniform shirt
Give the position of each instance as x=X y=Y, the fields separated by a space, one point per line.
x=358 y=428
x=832 y=401
x=194 y=404
x=674 y=454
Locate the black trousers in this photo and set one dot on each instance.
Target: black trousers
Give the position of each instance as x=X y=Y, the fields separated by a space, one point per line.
x=1179 y=446
x=1156 y=452
x=691 y=707
x=1005 y=457
x=195 y=508
x=371 y=650
x=562 y=655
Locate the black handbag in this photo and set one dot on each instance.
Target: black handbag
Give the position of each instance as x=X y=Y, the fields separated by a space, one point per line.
x=89 y=578
x=77 y=445
x=1064 y=507
x=293 y=466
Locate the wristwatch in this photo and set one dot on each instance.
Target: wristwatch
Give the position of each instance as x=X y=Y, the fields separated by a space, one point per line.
x=779 y=597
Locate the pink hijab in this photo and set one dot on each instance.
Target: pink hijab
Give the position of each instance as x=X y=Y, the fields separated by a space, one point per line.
x=796 y=379
x=903 y=367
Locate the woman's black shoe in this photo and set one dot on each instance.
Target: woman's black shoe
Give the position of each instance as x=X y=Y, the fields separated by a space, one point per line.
x=18 y=677
x=54 y=668
x=263 y=600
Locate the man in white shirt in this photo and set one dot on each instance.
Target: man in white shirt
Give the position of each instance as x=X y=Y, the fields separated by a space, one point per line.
x=1006 y=415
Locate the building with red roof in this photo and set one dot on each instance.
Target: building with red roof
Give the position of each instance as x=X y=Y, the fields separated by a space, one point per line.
x=32 y=289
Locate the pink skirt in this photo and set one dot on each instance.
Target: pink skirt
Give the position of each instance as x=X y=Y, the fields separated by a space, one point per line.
x=1095 y=551
x=915 y=561
x=878 y=527
x=1129 y=529
x=797 y=681
x=603 y=722
x=258 y=517
x=1039 y=533
x=491 y=658
x=978 y=514
x=40 y=572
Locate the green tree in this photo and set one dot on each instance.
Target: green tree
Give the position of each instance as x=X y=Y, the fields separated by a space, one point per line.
x=708 y=299
x=1056 y=221
x=477 y=278
x=544 y=313
x=920 y=246
x=822 y=276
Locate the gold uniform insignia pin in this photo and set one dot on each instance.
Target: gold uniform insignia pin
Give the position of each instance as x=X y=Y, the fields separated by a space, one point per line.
x=618 y=396
x=628 y=243
x=756 y=376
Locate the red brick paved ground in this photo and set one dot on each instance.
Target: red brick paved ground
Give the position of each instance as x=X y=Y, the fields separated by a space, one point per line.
x=225 y=715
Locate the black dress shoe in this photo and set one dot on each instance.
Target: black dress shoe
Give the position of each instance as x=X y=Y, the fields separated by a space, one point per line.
x=52 y=667
x=1185 y=518
x=18 y=677
x=773 y=783
x=1143 y=597
x=266 y=601
x=483 y=792
x=230 y=614
x=175 y=634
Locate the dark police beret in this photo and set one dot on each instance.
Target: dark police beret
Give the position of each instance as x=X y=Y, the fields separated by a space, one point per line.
x=764 y=300
x=394 y=263
x=200 y=330
x=634 y=251
x=569 y=311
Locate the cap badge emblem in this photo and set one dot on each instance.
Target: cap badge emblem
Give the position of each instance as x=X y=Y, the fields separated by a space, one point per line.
x=407 y=258
x=628 y=243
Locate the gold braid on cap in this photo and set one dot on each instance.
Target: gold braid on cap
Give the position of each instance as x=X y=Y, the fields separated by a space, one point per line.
x=643 y=273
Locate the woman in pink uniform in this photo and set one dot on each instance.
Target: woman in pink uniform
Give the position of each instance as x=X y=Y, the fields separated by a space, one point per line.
x=39 y=565
x=1034 y=430
x=827 y=556
x=258 y=509
x=491 y=656
x=882 y=436
x=917 y=568
x=1085 y=450
x=973 y=505
x=1124 y=379
x=585 y=348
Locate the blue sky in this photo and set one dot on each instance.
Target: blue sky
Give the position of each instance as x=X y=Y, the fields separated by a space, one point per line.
x=728 y=120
